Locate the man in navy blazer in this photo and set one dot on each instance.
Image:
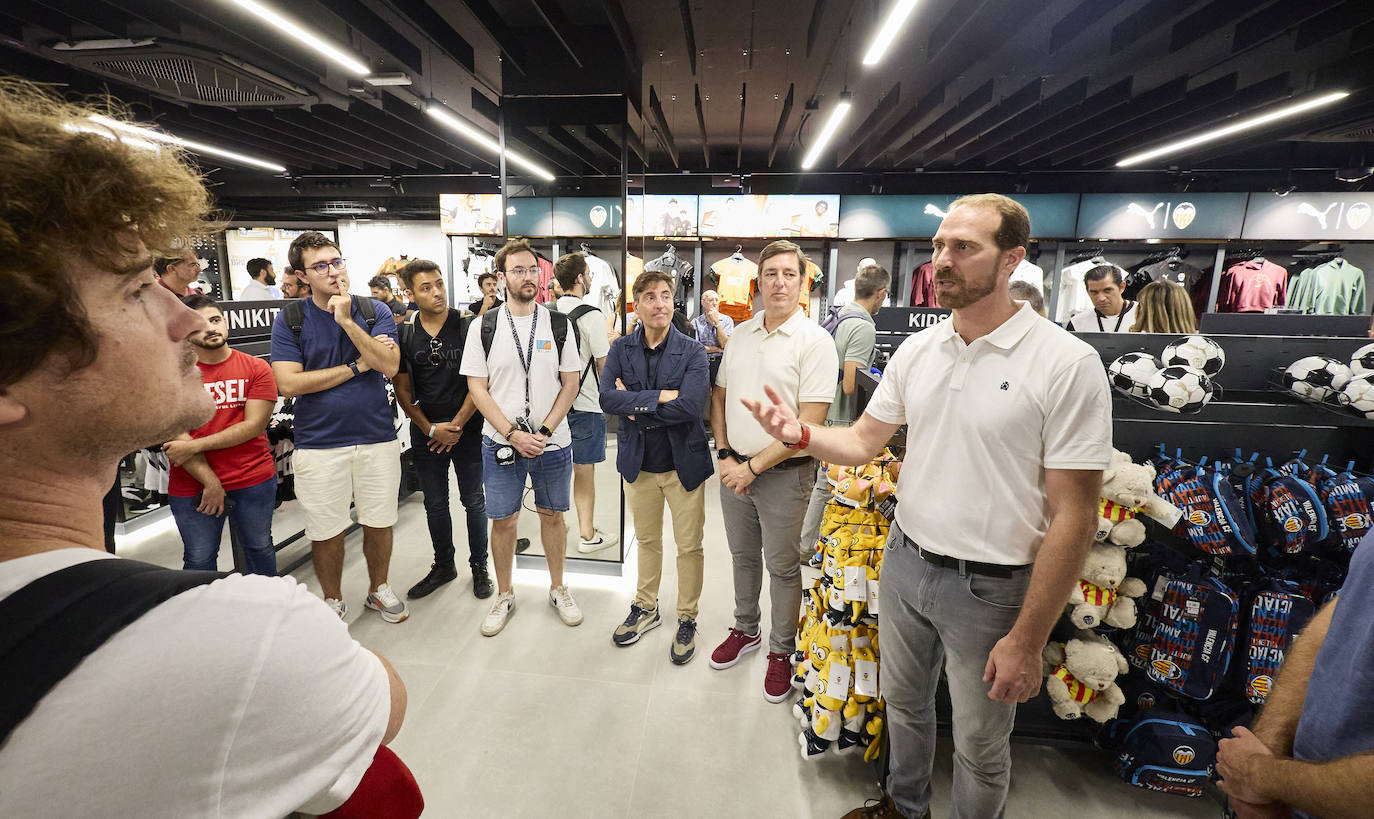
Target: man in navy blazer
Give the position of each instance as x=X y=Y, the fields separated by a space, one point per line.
x=657 y=380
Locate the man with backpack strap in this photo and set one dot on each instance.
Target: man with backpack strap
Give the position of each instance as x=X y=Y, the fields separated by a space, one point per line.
x=128 y=689
x=585 y=420
x=333 y=353
x=854 y=332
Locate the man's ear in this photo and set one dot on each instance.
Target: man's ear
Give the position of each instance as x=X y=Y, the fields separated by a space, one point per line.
x=11 y=410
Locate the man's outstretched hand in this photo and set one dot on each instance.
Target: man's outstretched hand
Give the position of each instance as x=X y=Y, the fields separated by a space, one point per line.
x=776 y=418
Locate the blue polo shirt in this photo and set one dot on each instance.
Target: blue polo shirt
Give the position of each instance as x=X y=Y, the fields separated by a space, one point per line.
x=355 y=412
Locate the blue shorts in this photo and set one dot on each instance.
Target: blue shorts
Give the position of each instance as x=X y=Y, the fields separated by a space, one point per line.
x=550 y=474
x=588 y=437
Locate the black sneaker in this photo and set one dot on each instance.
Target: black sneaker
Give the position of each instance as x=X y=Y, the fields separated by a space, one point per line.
x=522 y=545
x=639 y=621
x=685 y=642
x=438 y=576
x=482 y=587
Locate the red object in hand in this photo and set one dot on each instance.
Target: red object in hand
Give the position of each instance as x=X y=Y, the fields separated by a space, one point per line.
x=387 y=790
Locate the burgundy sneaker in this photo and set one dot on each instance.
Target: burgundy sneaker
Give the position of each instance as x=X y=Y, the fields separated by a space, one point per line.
x=777 y=681
x=736 y=645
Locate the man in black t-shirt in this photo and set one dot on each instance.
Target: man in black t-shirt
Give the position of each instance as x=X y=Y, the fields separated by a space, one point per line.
x=489 y=301
x=446 y=429
x=381 y=291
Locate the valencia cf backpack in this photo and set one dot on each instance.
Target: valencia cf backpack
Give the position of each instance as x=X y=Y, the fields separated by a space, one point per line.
x=1275 y=611
x=1162 y=749
x=1289 y=514
x=1194 y=634
x=1348 y=500
x=1213 y=516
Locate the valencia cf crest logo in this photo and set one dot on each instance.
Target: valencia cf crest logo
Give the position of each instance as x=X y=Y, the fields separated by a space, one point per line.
x=598 y=216
x=1354 y=521
x=1165 y=670
x=1358 y=215
x=1292 y=525
x=1184 y=214
x=1183 y=754
x=1199 y=517
x=1259 y=688
x=1143 y=651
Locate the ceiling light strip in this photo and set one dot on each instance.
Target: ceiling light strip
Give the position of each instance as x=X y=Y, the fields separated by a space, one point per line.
x=888 y=30
x=286 y=25
x=837 y=115
x=474 y=134
x=193 y=147
x=1242 y=125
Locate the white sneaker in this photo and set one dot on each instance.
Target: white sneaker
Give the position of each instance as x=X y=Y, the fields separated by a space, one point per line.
x=500 y=613
x=600 y=541
x=562 y=600
x=340 y=607
x=385 y=602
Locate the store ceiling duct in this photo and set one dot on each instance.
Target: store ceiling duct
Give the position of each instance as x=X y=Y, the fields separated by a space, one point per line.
x=888 y=30
x=348 y=62
x=1290 y=110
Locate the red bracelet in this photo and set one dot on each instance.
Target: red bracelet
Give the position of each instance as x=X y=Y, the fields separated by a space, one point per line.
x=805 y=439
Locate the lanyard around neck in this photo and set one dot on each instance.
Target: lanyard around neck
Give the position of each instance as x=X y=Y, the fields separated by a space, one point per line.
x=1120 y=317
x=526 y=358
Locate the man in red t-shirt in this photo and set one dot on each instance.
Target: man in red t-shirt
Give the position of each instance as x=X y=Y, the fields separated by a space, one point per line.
x=226 y=465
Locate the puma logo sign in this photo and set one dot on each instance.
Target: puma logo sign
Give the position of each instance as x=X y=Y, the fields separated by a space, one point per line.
x=1148 y=215
x=1320 y=215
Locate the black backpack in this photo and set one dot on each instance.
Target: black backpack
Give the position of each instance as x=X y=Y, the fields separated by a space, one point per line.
x=49 y=626
x=576 y=313
x=557 y=320
x=295 y=314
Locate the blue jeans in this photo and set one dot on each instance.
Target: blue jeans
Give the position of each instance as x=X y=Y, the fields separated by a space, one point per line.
x=588 y=436
x=550 y=474
x=250 y=520
x=432 y=469
x=932 y=617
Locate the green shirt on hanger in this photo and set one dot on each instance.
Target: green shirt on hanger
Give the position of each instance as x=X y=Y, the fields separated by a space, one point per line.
x=1332 y=288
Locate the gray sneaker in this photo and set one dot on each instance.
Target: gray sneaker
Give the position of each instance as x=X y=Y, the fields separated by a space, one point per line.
x=639 y=621
x=385 y=602
x=685 y=642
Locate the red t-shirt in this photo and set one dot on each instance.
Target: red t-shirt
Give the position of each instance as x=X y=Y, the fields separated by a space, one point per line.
x=232 y=383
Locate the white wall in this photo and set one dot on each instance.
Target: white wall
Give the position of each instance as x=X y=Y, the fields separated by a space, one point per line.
x=367 y=244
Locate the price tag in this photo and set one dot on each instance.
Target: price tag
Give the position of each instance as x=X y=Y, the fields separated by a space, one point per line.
x=866 y=678
x=1160 y=583
x=862 y=641
x=855 y=589
x=839 y=642
x=1193 y=608
x=837 y=681
x=873 y=597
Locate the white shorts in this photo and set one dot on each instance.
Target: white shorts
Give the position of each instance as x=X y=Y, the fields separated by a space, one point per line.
x=328 y=480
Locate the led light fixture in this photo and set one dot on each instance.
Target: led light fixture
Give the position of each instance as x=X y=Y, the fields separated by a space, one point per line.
x=436 y=110
x=1237 y=127
x=308 y=38
x=837 y=115
x=151 y=136
x=392 y=78
x=887 y=30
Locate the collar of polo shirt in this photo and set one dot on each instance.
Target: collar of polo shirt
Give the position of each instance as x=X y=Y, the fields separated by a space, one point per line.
x=788 y=327
x=1005 y=336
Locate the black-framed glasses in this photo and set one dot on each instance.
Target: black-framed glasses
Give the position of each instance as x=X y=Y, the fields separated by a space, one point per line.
x=323 y=267
x=435 y=346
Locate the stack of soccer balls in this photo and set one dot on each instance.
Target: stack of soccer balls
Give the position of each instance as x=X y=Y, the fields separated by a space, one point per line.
x=1323 y=380
x=1180 y=383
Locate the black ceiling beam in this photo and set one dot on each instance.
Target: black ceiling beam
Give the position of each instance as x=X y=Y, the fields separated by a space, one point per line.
x=229 y=126
x=572 y=146
x=1067 y=98
x=496 y=28
x=92 y=13
x=615 y=13
x=594 y=137
x=264 y=48
x=166 y=16
x=417 y=126
x=1010 y=107
x=782 y=123
x=438 y=30
x=689 y=33
x=1275 y=21
x=353 y=131
x=574 y=166
x=739 y=143
x=953 y=24
x=378 y=30
x=701 y=125
x=422 y=140
x=1281 y=134
x=292 y=159
x=813 y=28
x=1148 y=19
x=885 y=108
x=298 y=130
x=869 y=149
x=1080 y=117
x=659 y=125
x=558 y=24
x=1078 y=21
x=1213 y=17
x=36 y=14
x=964 y=110
x=1331 y=22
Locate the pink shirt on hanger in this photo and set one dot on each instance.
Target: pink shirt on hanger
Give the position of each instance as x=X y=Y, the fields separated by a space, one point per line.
x=1252 y=286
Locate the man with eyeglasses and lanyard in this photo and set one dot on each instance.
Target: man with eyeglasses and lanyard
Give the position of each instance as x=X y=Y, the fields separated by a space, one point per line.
x=335 y=362
x=446 y=429
x=522 y=365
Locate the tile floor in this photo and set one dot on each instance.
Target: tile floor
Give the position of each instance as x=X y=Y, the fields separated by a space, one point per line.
x=547 y=720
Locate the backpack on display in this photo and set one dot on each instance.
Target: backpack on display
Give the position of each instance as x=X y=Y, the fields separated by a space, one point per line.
x=295 y=314
x=1275 y=611
x=1214 y=517
x=1348 y=500
x=1289 y=514
x=1163 y=750
x=1194 y=634
x=557 y=321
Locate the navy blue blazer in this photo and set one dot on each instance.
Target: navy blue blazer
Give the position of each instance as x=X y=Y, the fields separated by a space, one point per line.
x=684 y=369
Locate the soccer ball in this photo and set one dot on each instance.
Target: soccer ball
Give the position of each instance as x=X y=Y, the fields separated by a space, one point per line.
x=1180 y=389
x=1316 y=378
x=1198 y=352
x=1362 y=360
x=1130 y=374
x=1359 y=392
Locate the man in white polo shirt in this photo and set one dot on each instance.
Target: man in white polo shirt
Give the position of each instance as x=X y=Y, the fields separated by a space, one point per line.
x=1008 y=429
x=764 y=487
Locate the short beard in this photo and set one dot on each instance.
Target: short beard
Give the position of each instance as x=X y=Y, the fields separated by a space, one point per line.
x=968 y=295
x=223 y=340
x=516 y=297
x=269 y=279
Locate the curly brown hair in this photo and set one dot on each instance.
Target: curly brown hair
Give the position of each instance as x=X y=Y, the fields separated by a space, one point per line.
x=312 y=239
x=70 y=190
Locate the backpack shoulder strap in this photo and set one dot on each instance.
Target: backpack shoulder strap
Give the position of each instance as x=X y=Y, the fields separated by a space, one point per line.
x=489 y=329
x=295 y=317
x=368 y=308
x=405 y=337
x=49 y=626
x=577 y=313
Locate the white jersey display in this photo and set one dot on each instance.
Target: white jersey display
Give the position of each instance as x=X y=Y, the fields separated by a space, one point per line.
x=1027 y=271
x=506 y=375
x=243 y=697
x=605 y=288
x=1091 y=321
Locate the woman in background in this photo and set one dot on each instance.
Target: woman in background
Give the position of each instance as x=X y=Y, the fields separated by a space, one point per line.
x=1164 y=308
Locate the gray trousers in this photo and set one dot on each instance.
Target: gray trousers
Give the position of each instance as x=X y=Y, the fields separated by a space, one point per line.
x=933 y=617
x=815 y=512
x=762 y=529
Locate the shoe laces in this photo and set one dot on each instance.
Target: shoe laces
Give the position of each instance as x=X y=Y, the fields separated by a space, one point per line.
x=503 y=600
x=779 y=664
x=636 y=612
x=686 y=630
x=386 y=596
x=563 y=598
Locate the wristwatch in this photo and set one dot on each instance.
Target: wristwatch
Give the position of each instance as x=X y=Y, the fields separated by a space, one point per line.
x=726 y=452
x=545 y=431
x=353 y=365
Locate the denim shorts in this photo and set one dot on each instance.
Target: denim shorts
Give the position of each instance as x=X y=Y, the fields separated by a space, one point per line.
x=550 y=474
x=588 y=437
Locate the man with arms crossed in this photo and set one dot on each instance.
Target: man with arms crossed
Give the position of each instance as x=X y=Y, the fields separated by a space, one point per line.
x=763 y=485
x=225 y=468
x=524 y=386
x=446 y=430
x=655 y=379
x=346 y=448
x=1008 y=430
x=110 y=372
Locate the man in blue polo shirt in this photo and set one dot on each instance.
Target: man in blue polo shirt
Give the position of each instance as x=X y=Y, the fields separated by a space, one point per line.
x=346 y=447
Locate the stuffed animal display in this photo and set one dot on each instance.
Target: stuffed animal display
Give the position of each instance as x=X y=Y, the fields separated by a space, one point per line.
x=837 y=655
x=1080 y=677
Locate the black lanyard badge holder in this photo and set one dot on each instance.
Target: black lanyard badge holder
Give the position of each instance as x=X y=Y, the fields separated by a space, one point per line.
x=505 y=454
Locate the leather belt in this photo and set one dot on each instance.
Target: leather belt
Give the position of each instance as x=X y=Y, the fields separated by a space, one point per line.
x=964 y=566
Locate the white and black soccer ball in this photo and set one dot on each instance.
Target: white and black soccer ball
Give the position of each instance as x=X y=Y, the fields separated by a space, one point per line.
x=1359 y=395
x=1316 y=378
x=1198 y=352
x=1362 y=360
x=1131 y=373
x=1181 y=389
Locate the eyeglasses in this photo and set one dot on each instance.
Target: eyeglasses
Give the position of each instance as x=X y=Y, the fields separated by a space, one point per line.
x=523 y=272
x=434 y=347
x=323 y=267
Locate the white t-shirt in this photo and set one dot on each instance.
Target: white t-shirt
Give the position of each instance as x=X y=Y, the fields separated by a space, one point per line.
x=506 y=376
x=797 y=359
x=1029 y=272
x=257 y=291
x=245 y=697
x=1073 y=294
x=984 y=422
x=1090 y=321
x=605 y=289
x=591 y=328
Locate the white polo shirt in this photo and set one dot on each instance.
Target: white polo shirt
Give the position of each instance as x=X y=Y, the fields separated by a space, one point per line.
x=1091 y=321
x=984 y=422
x=797 y=359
